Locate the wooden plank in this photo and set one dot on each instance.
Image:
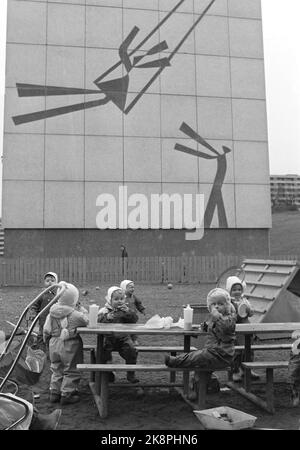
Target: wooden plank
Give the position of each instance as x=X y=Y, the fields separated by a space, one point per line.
x=128 y=367
x=266 y=364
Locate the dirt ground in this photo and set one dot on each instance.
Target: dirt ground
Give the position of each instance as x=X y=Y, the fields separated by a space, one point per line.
x=151 y=409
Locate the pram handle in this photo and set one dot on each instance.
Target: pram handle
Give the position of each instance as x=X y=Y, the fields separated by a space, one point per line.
x=62 y=288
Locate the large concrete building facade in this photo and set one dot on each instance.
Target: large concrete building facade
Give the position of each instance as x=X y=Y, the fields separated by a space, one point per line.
x=111 y=103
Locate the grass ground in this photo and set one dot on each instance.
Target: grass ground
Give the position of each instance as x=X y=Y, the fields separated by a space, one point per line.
x=285 y=233
x=156 y=409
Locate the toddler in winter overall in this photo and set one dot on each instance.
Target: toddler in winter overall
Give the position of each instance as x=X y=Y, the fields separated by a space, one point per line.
x=65 y=346
x=243 y=310
x=117 y=311
x=294 y=369
x=218 y=351
x=50 y=278
x=133 y=302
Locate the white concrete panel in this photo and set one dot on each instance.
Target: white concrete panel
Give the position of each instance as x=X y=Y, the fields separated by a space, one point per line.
x=73 y=2
x=227 y=192
x=145 y=20
x=115 y=3
x=66 y=24
x=218 y=8
x=245 y=8
x=64 y=204
x=251 y=162
x=25 y=64
x=22 y=204
x=64 y=158
x=177 y=193
x=180 y=77
x=213 y=76
x=246 y=38
x=103 y=27
x=65 y=67
x=103 y=158
x=214 y=118
x=176 y=109
x=144 y=118
x=17 y=106
x=142 y=159
x=208 y=167
x=26 y=22
x=70 y=123
x=23 y=157
x=253 y=206
x=174 y=30
x=211 y=36
x=249 y=120
x=103 y=119
x=178 y=166
x=145 y=4
x=92 y=191
x=248 y=78
x=140 y=212
x=167 y=5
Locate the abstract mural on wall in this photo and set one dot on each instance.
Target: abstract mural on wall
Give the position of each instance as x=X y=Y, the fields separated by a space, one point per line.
x=116 y=89
x=215 y=199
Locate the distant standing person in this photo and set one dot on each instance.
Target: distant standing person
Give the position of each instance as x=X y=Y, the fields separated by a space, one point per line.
x=124 y=255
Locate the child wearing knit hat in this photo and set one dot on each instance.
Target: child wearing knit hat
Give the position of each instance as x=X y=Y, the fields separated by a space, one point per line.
x=65 y=345
x=133 y=302
x=218 y=351
x=243 y=308
x=50 y=279
x=117 y=311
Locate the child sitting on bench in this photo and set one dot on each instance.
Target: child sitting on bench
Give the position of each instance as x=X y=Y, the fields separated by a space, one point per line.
x=133 y=302
x=218 y=351
x=116 y=311
x=243 y=308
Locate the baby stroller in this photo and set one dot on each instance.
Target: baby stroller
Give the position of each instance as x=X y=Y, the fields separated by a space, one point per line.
x=21 y=361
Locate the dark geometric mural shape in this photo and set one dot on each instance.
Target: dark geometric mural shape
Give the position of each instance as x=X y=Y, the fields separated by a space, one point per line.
x=37 y=90
x=215 y=199
x=116 y=90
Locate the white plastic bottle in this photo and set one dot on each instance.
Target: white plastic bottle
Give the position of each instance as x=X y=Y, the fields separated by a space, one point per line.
x=93 y=315
x=188 y=317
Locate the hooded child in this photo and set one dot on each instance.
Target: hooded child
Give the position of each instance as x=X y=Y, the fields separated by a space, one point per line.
x=133 y=302
x=65 y=346
x=117 y=311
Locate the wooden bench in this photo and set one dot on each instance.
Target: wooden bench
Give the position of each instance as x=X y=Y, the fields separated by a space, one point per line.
x=173 y=350
x=101 y=398
x=266 y=347
x=269 y=367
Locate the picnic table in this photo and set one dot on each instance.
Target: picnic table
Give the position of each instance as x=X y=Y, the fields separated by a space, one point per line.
x=99 y=386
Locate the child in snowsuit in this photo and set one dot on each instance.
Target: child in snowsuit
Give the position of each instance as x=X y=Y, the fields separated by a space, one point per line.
x=235 y=287
x=116 y=311
x=50 y=278
x=218 y=351
x=294 y=369
x=133 y=302
x=65 y=346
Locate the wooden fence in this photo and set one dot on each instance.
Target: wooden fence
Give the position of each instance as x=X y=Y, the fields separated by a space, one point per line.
x=110 y=270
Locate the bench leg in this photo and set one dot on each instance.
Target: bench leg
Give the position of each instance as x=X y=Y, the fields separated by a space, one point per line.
x=173 y=373
x=103 y=407
x=247 y=379
x=270 y=390
x=93 y=361
x=201 y=387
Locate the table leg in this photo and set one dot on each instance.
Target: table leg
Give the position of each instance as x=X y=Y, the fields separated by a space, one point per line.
x=248 y=339
x=186 y=375
x=99 y=359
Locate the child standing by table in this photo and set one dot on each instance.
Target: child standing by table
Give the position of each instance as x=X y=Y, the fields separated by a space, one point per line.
x=50 y=278
x=116 y=311
x=218 y=351
x=133 y=302
x=65 y=346
x=235 y=287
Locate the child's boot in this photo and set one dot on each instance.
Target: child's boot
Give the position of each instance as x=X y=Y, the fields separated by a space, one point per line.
x=54 y=397
x=170 y=360
x=69 y=399
x=132 y=378
x=237 y=376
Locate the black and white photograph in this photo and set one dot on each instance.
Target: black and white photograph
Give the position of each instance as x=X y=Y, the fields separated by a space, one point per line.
x=150 y=218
